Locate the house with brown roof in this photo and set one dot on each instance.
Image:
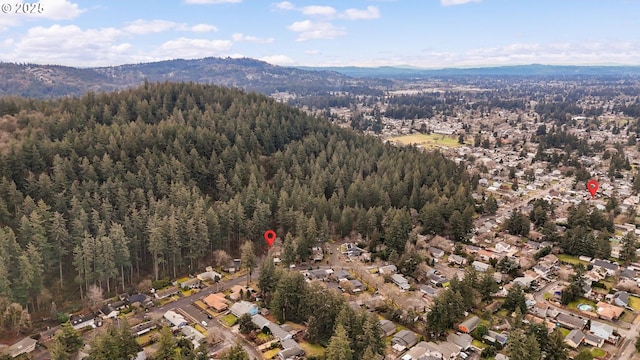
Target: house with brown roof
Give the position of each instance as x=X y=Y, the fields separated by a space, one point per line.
x=217 y=302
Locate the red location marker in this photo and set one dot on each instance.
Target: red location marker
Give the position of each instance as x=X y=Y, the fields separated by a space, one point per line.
x=592 y=186
x=270 y=236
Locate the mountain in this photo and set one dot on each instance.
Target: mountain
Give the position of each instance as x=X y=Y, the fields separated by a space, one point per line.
x=46 y=81
x=518 y=70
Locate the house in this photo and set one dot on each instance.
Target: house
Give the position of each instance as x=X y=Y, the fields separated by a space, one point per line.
x=141 y=299
x=49 y=334
x=175 y=319
x=502 y=247
x=290 y=350
x=317 y=254
x=388 y=327
x=523 y=281
x=429 y=290
x=190 y=284
x=341 y=275
x=571 y=322
x=278 y=332
x=82 y=321
x=416 y=353
x=462 y=340
x=437 y=279
x=540 y=309
x=610 y=268
x=457 y=259
x=496 y=337
x=143 y=328
x=550 y=259
x=387 y=270
x=435 y=252
x=244 y=307
x=400 y=281
x=621 y=298
x=192 y=334
x=162 y=294
x=607 y=311
x=480 y=266
x=209 y=275
x=317 y=274
x=23 y=346
x=217 y=302
x=593 y=340
x=602 y=330
x=469 y=324
x=109 y=312
x=404 y=339
x=574 y=338
x=356 y=286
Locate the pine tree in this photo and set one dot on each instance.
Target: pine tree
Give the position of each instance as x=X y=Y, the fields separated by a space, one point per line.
x=248 y=258
x=339 y=347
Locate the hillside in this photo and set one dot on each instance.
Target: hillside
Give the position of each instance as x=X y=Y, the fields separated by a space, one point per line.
x=517 y=70
x=46 y=81
x=109 y=189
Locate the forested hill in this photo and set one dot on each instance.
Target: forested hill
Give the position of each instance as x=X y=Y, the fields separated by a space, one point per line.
x=50 y=81
x=107 y=187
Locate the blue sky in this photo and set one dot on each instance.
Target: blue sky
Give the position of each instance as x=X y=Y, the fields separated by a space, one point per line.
x=422 y=33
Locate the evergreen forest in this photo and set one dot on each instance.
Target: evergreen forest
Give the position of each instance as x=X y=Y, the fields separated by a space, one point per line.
x=108 y=189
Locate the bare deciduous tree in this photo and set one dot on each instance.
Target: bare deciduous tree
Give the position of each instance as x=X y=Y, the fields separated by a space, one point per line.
x=95 y=297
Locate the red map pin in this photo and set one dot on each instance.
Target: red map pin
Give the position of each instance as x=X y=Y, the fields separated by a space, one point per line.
x=592 y=186
x=270 y=237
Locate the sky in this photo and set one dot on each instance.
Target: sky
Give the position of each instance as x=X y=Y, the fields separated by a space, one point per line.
x=418 y=33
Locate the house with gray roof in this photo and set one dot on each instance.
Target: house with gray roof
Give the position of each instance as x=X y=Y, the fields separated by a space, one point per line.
x=290 y=350
x=388 y=327
x=404 y=339
x=571 y=322
x=574 y=338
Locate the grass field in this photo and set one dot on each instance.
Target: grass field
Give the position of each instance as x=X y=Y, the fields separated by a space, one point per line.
x=598 y=353
x=573 y=260
x=634 y=302
x=271 y=354
x=427 y=140
x=312 y=349
x=229 y=320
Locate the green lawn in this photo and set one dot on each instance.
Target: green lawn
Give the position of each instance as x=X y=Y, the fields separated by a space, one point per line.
x=479 y=344
x=229 y=320
x=312 y=349
x=598 y=353
x=634 y=302
x=573 y=260
x=144 y=339
x=428 y=140
x=263 y=338
x=271 y=354
x=564 y=332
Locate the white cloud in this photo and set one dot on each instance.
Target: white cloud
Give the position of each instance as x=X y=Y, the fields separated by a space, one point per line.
x=456 y=2
x=51 y=9
x=278 y=60
x=313 y=52
x=238 y=37
x=141 y=27
x=192 y=48
x=372 y=12
x=58 y=10
x=315 y=30
x=212 y=1
x=316 y=10
x=68 y=45
x=201 y=28
x=284 y=5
